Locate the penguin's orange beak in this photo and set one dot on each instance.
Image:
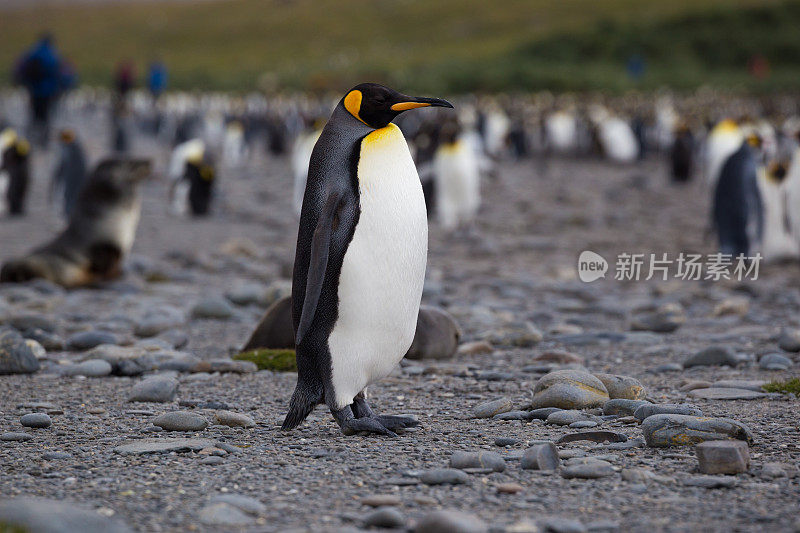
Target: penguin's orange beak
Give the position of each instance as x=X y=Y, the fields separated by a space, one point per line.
x=414 y=103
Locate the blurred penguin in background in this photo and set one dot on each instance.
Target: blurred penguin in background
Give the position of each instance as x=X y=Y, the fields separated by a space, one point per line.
x=201 y=175
x=234 y=150
x=192 y=149
x=737 y=213
x=779 y=244
x=14 y=172
x=792 y=187
x=561 y=131
x=426 y=142
x=70 y=172
x=682 y=154
x=192 y=173
x=456 y=168
x=723 y=141
x=300 y=159
x=615 y=137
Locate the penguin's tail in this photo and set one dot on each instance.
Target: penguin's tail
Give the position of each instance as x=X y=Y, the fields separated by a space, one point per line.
x=303 y=401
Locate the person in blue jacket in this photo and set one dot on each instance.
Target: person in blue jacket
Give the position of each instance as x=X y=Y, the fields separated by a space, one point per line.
x=41 y=71
x=157 y=78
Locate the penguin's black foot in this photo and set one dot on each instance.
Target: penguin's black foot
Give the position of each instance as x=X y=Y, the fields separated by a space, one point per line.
x=397 y=421
x=361 y=409
x=351 y=425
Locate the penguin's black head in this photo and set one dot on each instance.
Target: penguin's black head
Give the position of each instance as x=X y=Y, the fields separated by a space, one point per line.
x=376 y=105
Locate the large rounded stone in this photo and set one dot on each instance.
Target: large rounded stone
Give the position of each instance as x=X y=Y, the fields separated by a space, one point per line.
x=275 y=329
x=685 y=430
x=712 y=356
x=483 y=460
x=213 y=308
x=158 y=389
x=650 y=409
x=448 y=521
x=51 y=516
x=436 y=337
x=622 y=387
x=16 y=356
x=569 y=389
x=180 y=421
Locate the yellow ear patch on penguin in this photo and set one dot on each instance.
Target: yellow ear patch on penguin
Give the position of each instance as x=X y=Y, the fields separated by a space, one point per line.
x=405 y=106
x=352 y=102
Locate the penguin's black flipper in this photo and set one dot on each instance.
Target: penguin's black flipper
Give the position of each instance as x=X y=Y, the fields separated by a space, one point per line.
x=320 y=247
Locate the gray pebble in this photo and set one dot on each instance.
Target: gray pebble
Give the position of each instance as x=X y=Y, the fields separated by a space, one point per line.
x=224 y=514
x=450 y=521
x=93 y=368
x=213 y=308
x=710 y=482
x=36 y=420
x=444 y=476
x=789 y=340
x=241 y=502
x=154 y=389
x=569 y=389
x=557 y=524
x=774 y=361
x=567 y=417
x=231 y=419
x=180 y=421
x=651 y=409
x=591 y=469
x=725 y=393
x=50 y=516
x=683 y=430
x=16 y=356
x=385 y=517
x=490 y=409
x=488 y=460
x=583 y=424
x=56 y=456
x=542 y=456
x=712 y=356
x=15 y=436
x=164 y=445
x=86 y=340
x=542 y=413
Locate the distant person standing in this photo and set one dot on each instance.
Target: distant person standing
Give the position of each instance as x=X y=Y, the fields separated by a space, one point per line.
x=124 y=81
x=124 y=78
x=157 y=78
x=70 y=172
x=40 y=71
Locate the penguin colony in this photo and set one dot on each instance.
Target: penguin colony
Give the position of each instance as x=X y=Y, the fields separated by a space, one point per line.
x=367 y=178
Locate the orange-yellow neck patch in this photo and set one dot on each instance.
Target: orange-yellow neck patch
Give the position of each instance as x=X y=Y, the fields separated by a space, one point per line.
x=352 y=102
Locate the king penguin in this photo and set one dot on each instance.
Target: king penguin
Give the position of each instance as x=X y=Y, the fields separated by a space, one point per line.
x=360 y=262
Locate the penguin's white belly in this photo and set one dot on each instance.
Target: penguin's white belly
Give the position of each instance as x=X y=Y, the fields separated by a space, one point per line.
x=380 y=284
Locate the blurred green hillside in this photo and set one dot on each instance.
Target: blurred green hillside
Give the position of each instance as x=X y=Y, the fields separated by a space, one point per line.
x=440 y=46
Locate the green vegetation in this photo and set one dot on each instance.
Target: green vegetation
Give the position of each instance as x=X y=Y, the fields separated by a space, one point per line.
x=791 y=385
x=277 y=360
x=443 y=46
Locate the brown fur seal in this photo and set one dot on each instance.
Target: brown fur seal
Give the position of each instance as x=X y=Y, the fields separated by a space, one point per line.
x=100 y=232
